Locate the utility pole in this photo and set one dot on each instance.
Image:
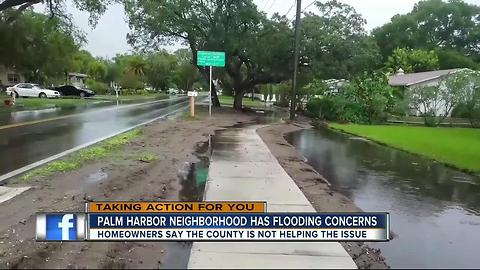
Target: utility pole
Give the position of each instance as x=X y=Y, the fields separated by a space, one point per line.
x=210 y=94
x=295 y=62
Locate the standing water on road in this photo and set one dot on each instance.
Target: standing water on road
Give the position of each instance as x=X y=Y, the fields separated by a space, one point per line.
x=28 y=143
x=435 y=210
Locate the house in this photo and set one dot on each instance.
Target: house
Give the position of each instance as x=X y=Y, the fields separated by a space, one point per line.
x=9 y=77
x=334 y=85
x=429 y=78
x=77 y=79
x=421 y=79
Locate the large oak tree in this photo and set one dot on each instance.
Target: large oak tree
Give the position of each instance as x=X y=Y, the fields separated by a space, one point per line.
x=258 y=50
x=434 y=25
x=56 y=8
x=37 y=46
x=336 y=43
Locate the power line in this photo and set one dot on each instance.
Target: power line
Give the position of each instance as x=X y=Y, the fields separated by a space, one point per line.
x=266 y=4
x=293 y=102
x=305 y=8
x=272 y=4
x=293 y=4
x=313 y=2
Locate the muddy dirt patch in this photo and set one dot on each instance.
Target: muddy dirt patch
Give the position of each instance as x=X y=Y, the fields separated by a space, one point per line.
x=146 y=168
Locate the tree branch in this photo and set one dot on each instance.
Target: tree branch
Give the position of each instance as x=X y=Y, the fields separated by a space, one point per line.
x=20 y=10
x=207 y=12
x=262 y=78
x=50 y=5
x=12 y=3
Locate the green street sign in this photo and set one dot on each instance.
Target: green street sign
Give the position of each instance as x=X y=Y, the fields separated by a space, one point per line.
x=213 y=59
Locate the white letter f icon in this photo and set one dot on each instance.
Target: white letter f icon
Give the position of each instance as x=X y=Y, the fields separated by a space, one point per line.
x=65 y=225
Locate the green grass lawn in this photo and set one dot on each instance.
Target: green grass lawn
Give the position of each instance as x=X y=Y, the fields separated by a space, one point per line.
x=42 y=103
x=459 y=147
x=247 y=102
x=98 y=151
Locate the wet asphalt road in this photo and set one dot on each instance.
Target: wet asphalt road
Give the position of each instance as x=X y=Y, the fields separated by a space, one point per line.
x=41 y=134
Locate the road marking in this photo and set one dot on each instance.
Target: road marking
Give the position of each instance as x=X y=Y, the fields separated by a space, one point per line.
x=33 y=122
x=64 y=153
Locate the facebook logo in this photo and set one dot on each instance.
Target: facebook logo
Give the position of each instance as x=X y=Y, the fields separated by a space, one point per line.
x=60 y=227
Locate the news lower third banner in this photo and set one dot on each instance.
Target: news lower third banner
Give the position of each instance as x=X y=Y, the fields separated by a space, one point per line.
x=207 y=221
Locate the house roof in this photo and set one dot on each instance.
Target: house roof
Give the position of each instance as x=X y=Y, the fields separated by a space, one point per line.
x=80 y=75
x=416 y=78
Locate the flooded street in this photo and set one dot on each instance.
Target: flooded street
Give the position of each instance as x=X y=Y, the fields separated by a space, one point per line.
x=435 y=210
x=28 y=142
x=62 y=111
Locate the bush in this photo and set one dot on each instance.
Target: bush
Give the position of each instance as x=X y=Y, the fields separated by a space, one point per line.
x=131 y=92
x=323 y=108
x=368 y=99
x=373 y=97
x=400 y=107
x=335 y=108
x=470 y=111
x=313 y=107
x=475 y=117
x=349 y=111
x=98 y=87
x=461 y=111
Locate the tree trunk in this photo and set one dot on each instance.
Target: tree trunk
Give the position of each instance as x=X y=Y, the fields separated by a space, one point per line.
x=238 y=99
x=215 y=101
x=206 y=74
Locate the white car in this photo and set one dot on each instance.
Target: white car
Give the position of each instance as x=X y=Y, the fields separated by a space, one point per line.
x=31 y=90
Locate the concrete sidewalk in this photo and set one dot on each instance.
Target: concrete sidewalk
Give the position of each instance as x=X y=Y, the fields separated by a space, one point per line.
x=242 y=168
x=6 y=193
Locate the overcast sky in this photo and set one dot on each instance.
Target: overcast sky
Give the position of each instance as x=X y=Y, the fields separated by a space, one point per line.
x=108 y=38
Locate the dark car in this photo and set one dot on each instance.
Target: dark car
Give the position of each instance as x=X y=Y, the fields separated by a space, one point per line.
x=70 y=90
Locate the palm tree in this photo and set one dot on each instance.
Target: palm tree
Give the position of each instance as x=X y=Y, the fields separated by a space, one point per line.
x=136 y=65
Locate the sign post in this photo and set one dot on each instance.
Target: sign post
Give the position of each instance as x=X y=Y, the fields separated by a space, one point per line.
x=192 y=95
x=210 y=59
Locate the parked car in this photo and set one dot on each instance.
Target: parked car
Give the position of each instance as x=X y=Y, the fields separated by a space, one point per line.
x=70 y=90
x=172 y=91
x=31 y=90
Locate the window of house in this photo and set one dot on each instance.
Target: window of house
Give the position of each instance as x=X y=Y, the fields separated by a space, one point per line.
x=13 y=78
